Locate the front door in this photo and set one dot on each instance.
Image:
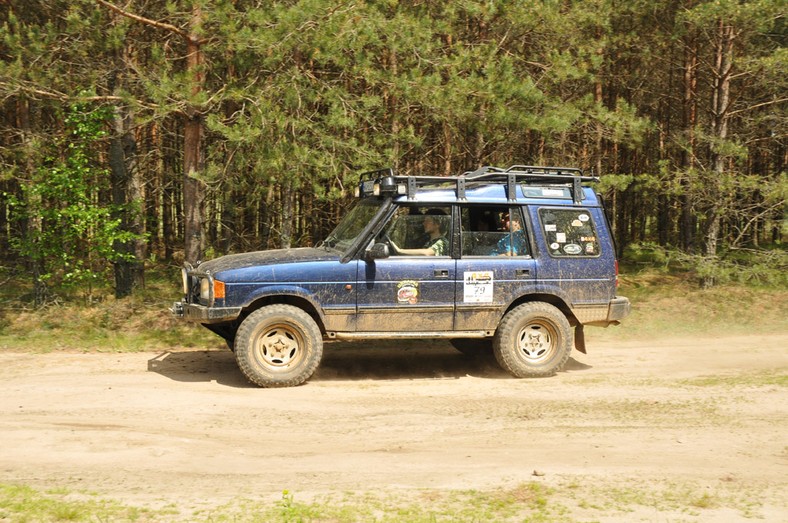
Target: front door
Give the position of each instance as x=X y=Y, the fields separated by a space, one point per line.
x=413 y=289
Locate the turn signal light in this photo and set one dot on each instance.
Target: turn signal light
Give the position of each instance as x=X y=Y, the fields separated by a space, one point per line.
x=218 y=289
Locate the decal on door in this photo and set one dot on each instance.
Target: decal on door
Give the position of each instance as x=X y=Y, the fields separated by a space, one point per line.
x=478 y=287
x=408 y=292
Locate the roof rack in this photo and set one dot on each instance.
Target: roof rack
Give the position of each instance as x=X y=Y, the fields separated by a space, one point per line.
x=385 y=181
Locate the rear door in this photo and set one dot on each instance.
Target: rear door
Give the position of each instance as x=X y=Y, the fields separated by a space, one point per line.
x=496 y=264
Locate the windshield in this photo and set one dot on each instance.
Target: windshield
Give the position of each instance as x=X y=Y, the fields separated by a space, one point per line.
x=352 y=225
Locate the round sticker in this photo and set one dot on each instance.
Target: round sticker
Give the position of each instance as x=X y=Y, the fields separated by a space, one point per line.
x=554 y=246
x=572 y=248
x=583 y=217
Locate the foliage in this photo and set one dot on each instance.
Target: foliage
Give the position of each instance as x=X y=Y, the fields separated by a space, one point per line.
x=71 y=233
x=757 y=268
x=297 y=97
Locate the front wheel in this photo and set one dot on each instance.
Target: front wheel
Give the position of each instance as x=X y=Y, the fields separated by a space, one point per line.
x=533 y=340
x=278 y=346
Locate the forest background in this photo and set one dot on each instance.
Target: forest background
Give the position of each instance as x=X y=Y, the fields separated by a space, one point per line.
x=137 y=132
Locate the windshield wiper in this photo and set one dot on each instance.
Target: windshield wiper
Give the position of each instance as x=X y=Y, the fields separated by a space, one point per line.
x=328 y=243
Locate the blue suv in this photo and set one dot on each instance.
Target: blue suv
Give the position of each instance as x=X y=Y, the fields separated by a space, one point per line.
x=515 y=261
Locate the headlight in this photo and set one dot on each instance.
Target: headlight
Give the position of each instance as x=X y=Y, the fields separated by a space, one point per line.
x=205 y=290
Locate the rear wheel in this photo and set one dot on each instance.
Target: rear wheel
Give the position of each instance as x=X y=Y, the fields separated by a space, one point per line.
x=533 y=340
x=278 y=346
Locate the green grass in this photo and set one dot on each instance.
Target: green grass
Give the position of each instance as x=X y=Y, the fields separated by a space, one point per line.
x=670 y=306
x=582 y=499
x=19 y=503
x=139 y=323
x=664 y=306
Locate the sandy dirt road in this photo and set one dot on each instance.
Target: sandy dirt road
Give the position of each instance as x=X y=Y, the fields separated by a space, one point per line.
x=185 y=428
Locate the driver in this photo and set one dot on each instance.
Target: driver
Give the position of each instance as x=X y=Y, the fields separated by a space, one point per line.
x=436 y=244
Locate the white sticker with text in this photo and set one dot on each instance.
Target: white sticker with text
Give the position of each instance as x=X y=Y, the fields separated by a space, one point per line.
x=478 y=287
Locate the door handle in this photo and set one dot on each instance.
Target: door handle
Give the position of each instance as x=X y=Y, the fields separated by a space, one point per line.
x=522 y=272
x=441 y=273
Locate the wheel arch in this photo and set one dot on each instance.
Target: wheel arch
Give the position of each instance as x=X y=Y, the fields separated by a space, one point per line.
x=552 y=299
x=561 y=305
x=300 y=301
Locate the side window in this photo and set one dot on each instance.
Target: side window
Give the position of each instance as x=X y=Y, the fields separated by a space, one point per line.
x=418 y=231
x=569 y=232
x=493 y=231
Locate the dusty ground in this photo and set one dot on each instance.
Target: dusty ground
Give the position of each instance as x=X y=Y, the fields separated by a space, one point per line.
x=706 y=417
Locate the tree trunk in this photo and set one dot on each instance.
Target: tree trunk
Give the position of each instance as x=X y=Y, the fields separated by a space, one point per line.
x=720 y=105
x=687 y=222
x=286 y=231
x=121 y=157
x=128 y=197
x=33 y=226
x=193 y=160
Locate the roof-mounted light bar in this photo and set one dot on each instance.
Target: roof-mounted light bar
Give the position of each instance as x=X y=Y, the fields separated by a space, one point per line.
x=382 y=183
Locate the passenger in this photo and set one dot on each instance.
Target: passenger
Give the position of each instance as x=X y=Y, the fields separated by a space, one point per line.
x=436 y=244
x=514 y=243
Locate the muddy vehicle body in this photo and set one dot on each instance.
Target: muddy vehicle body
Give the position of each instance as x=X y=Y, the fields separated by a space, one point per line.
x=515 y=261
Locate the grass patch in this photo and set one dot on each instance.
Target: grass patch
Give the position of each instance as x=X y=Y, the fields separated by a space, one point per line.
x=138 y=323
x=578 y=499
x=664 y=306
x=526 y=502
x=775 y=378
x=672 y=500
x=672 y=306
x=19 y=503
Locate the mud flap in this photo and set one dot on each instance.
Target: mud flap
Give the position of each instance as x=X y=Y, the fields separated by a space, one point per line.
x=580 y=338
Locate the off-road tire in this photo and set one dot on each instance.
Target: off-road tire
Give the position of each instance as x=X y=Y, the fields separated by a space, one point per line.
x=278 y=346
x=533 y=340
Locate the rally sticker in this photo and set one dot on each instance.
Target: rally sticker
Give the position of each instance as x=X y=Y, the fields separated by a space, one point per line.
x=478 y=287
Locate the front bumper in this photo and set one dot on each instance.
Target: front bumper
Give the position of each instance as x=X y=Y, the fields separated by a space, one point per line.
x=202 y=314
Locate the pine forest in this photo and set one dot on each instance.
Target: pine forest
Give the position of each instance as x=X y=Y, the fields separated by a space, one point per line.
x=146 y=131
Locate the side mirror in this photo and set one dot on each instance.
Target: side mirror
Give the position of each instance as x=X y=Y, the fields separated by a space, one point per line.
x=377 y=251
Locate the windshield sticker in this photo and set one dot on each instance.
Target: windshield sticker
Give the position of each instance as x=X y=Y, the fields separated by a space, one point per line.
x=560 y=237
x=550 y=227
x=572 y=248
x=583 y=217
x=577 y=223
x=408 y=292
x=478 y=287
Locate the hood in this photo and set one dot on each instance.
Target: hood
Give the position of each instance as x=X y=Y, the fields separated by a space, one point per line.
x=262 y=258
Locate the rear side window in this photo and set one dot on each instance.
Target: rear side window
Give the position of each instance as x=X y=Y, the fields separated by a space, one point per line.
x=493 y=231
x=569 y=232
